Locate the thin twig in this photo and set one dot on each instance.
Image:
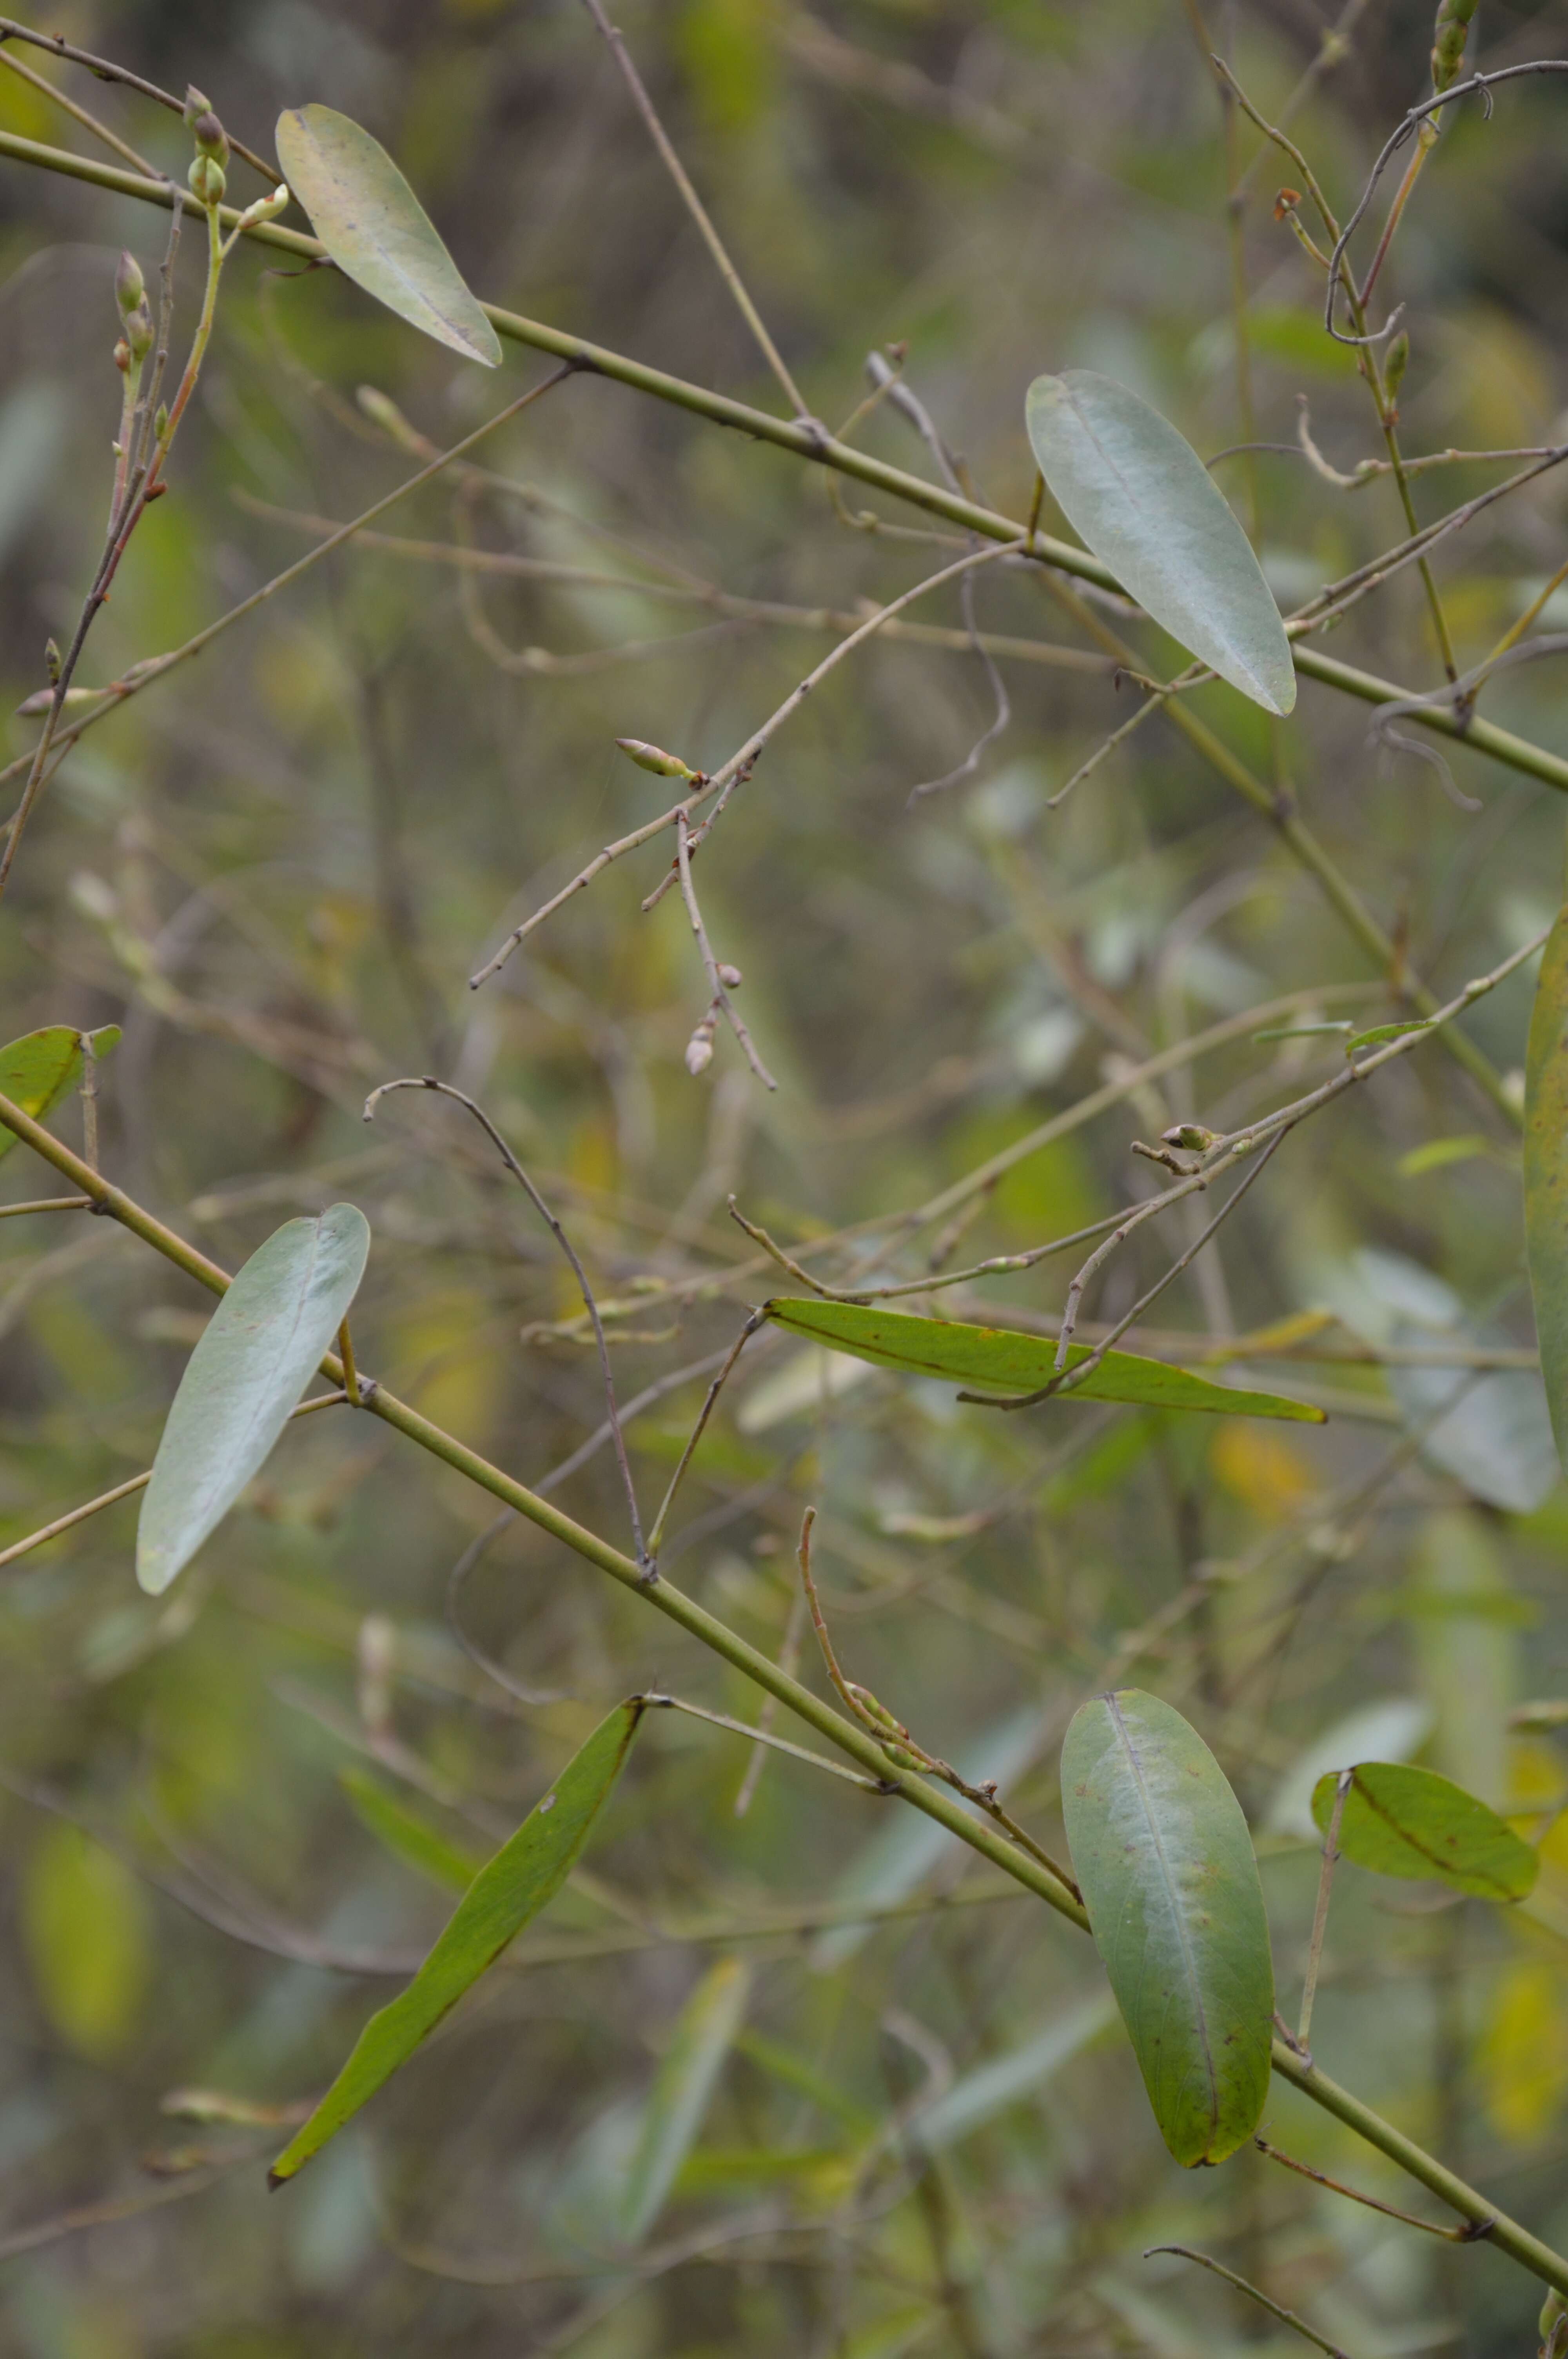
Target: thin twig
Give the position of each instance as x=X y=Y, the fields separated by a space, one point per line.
x=698 y=211
x=1286 y=2317
x=761 y=1736
x=1320 y=1913
x=105 y=69
x=1415 y=117
x=739 y=766
x=125 y=1491
x=716 y=981
x=446 y=1090
x=89 y=123
x=1474 y=2231
x=714 y=1389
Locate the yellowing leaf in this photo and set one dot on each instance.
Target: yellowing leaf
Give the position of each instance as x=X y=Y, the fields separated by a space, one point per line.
x=86 y=1925
x=1522 y=2060
x=37 y=1071
x=1261 y=1469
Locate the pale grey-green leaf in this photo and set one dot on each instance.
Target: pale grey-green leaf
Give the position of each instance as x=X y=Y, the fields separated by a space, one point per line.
x=244 y=1380
x=1142 y=500
x=376 y=231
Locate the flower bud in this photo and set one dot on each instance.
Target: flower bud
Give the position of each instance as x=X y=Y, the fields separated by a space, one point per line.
x=265 y=208
x=1449 y=35
x=139 y=332
x=160 y=420
x=211 y=137
x=196 y=104
x=730 y=977
x=53 y=661
x=122 y=359
x=206 y=180
x=654 y=758
x=699 y=1047
x=1395 y=366
x=130 y=288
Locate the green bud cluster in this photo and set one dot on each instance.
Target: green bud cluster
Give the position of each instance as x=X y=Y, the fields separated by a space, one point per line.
x=1449 y=35
x=131 y=295
x=206 y=175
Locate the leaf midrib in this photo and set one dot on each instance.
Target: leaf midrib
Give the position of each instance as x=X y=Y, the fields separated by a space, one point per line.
x=1168 y=1880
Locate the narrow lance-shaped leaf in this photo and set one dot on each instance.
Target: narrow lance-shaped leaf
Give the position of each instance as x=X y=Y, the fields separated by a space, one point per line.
x=1546 y=1173
x=680 y=2095
x=1162 y=1852
x=242 y=1381
x=1143 y=502
x=376 y=231
x=1400 y=1820
x=523 y=1876
x=999 y=1358
x=37 y=1071
x=407 y=1834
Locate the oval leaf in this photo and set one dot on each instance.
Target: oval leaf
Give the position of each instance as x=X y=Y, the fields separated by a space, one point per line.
x=376 y=231
x=1546 y=1174
x=1412 y=1823
x=679 y=2097
x=525 y=1875
x=37 y=1071
x=1000 y=1356
x=270 y=1331
x=1162 y=1852
x=1142 y=499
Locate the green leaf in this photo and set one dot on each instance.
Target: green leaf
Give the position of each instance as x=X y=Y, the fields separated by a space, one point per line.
x=1436 y=1153
x=1381 y=1032
x=244 y=1380
x=525 y=1875
x=376 y=231
x=1546 y=1173
x=37 y=1071
x=406 y=1835
x=1412 y=1823
x=1162 y=1852
x=1013 y=1363
x=680 y=2095
x=1142 y=500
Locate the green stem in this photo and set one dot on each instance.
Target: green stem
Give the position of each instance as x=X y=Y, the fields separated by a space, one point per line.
x=1506 y=2234
x=758 y=425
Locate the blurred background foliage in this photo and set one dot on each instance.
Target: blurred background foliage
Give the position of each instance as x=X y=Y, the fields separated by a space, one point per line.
x=687 y=2118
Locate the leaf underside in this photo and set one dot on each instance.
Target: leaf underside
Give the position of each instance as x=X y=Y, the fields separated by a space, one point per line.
x=376 y=231
x=1142 y=501
x=1405 y=1821
x=523 y=1876
x=1162 y=1852
x=1000 y=1357
x=243 y=1381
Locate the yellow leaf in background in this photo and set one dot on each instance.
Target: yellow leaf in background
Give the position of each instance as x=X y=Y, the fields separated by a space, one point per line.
x=1264 y=1473
x=88 y=1934
x=1522 y=2060
x=448 y=1351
